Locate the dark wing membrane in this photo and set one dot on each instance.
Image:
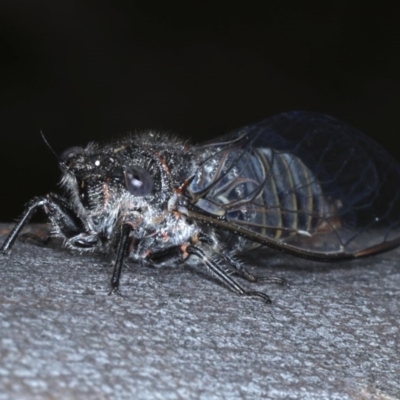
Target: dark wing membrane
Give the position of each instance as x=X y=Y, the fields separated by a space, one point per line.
x=301 y=182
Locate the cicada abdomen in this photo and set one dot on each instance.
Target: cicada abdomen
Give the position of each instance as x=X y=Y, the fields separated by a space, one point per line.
x=303 y=183
x=272 y=193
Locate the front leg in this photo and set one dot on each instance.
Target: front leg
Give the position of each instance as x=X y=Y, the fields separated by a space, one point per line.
x=56 y=209
x=122 y=250
x=169 y=254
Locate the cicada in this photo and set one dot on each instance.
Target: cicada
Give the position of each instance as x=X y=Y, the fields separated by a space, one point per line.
x=301 y=183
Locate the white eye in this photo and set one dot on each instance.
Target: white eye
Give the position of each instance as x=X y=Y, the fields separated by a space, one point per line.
x=138 y=181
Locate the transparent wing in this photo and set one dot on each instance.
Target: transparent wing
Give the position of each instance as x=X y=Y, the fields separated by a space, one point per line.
x=301 y=182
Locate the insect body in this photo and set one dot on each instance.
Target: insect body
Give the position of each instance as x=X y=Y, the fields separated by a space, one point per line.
x=298 y=182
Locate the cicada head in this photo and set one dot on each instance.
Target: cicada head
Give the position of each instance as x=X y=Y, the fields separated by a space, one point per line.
x=104 y=182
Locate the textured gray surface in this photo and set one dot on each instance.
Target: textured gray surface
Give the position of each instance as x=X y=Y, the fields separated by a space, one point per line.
x=334 y=334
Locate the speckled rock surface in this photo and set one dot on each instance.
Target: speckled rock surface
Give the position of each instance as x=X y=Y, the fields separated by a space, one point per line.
x=175 y=334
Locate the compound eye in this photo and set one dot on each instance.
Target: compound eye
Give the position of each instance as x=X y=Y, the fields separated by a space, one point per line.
x=69 y=153
x=138 y=181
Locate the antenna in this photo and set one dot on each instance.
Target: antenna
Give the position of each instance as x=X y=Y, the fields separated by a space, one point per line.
x=48 y=145
x=62 y=163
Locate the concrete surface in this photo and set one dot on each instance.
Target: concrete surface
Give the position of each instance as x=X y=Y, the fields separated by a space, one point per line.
x=175 y=334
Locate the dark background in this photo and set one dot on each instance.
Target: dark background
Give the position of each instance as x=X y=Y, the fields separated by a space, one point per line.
x=90 y=70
